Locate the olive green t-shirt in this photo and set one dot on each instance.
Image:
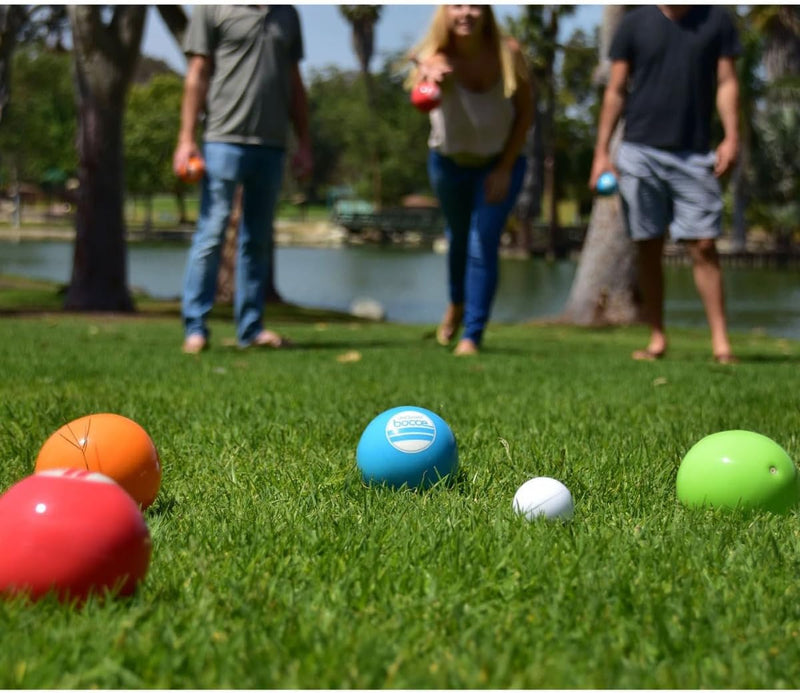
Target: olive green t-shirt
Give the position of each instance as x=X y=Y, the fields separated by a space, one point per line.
x=252 y=50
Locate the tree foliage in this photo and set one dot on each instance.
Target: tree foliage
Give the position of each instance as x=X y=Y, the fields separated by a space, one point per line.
x=770 y=107
x=37 y=135
x=345 y=135
x=32 y=24
x=604 y=288
x=577 y=109
x=38 y=130
x=151 y=126
x=537 y=29
x=362 y=19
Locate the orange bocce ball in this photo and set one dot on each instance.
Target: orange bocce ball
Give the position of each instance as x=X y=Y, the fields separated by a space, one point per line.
x=193 y=171
x=110 y=444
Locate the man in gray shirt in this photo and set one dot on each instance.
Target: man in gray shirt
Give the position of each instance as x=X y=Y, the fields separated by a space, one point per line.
x=243 y=74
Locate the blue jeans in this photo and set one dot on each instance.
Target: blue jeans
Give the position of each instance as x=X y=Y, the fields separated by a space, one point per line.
x=473 y=230
x=259 y=170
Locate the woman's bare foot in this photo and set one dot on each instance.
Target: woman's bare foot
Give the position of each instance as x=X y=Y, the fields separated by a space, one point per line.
x=450 y=324
x=466 y=347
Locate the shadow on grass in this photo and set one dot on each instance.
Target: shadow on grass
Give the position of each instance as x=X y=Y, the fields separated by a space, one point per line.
x=766 y=358
x=163 y=505
x=21 y=297
x=315 y=346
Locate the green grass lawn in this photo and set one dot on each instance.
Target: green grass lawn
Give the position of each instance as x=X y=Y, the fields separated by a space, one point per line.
x=274 y=567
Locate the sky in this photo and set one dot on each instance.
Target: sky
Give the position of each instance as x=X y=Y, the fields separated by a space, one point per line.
x=326 y=33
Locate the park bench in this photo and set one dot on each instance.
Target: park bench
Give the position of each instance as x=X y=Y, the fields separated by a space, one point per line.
x=392 y=224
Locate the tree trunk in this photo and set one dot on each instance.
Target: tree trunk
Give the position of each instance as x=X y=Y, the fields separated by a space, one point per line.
x=741 y=182
x=362 y=19
x=741 y=197
x=99 y=268
x=227 y=269
x=148 y=213
x=529 y=202
x=550 y=172
x=363 y=33
x=227 y=265
x=105 y=57
x=782 y=51
x=180 y=203
x=604 y=289
x=175 y=19
x=12 y=17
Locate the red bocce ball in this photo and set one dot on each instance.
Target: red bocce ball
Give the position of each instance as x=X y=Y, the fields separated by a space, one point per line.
x=73 y=532
x=426 y=96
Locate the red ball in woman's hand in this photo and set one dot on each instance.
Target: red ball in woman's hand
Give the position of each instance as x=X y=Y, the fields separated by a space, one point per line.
x=426 y=96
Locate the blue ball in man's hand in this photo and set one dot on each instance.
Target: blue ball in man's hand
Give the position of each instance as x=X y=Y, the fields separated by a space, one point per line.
x=606 y=184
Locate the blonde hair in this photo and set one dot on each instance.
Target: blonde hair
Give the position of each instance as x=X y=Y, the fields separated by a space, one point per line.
x=437 y=40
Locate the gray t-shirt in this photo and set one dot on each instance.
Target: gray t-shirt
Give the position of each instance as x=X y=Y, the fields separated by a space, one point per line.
x=252 y=51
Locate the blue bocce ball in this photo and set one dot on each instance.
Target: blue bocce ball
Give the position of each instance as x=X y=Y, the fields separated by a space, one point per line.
x=606 y=184
x=408 y=446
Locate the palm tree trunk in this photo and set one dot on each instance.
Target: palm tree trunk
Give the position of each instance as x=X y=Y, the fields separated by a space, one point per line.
x=604 y=289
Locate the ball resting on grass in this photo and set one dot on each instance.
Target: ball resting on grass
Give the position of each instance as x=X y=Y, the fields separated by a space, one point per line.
x=738 y=469
x=407 y=446
x=71 y=532
x=544 y=497
x=110 y=444
x=368 y=308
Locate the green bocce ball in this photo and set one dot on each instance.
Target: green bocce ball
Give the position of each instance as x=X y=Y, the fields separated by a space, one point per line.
x=738 y=469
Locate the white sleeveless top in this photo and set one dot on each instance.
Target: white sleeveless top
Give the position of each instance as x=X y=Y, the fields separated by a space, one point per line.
x=471 y=122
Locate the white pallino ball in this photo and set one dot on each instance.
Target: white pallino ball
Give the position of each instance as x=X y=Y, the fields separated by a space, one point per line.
x=543 y=497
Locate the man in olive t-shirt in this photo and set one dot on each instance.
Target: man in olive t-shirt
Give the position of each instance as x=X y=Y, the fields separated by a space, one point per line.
x=670 y=65
x=243 y=76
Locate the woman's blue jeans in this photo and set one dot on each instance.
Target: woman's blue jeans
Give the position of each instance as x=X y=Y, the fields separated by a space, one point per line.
x=473 y=229
x=259 y=169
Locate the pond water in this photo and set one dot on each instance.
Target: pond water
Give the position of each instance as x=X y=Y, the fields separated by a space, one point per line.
x=410 y=284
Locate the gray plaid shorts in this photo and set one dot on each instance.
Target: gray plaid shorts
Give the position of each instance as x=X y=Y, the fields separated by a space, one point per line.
x=664 y=189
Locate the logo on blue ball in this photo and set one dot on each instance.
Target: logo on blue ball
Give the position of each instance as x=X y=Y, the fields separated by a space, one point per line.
x=410 y=431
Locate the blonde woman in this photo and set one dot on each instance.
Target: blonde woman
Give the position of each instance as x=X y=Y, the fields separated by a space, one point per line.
x=475 y=168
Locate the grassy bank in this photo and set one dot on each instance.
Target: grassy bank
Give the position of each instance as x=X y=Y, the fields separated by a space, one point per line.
x=273 y=566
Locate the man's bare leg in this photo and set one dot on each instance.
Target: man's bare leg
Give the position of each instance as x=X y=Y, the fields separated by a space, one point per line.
x=708 y=280
x=651 y=285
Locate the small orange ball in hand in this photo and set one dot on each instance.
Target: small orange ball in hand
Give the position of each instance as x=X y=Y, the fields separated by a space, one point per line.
x=193 y=171
x=110 y=444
